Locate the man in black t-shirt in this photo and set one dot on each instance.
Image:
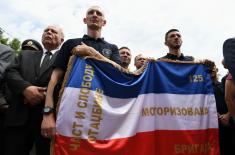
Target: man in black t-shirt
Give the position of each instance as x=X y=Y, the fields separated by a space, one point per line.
x=94 y=20
x=108 y=50
x=174 y=41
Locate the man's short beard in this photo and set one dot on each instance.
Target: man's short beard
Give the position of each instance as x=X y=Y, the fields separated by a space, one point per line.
x=125 y=64
x=176 y=47
x=94 y=27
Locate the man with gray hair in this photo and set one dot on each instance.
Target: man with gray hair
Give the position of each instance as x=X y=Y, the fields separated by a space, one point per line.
x=140 y=60
x=28 y=79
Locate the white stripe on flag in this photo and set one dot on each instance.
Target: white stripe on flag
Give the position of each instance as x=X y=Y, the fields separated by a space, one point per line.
x=125 y=117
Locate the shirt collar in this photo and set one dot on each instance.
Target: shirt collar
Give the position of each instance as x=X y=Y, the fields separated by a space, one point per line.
x=86 y=37
x=173 y=56
x=52 y=51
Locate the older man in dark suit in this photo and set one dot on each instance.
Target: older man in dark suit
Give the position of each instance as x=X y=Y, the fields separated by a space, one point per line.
x=6 y=58
x=28 y=79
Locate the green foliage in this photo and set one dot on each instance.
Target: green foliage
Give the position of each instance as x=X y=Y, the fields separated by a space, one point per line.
x=3 y=40
x=15 y=43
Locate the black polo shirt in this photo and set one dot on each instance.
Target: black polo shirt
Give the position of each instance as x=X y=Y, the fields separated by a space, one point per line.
x=180 y=58
x=108 y=50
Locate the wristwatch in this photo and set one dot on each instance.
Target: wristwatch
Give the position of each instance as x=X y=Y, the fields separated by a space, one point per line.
x=47 y=110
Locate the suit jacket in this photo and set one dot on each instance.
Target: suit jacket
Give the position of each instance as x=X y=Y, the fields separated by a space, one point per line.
x=26 y=72
x=6 y=58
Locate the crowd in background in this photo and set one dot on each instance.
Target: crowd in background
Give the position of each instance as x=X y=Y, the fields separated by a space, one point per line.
x=30 y=83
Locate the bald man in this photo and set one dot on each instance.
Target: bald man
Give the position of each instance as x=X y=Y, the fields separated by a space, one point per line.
x=95 y=21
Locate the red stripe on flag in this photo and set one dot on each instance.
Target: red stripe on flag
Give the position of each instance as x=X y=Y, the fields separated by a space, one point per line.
x=164 y=142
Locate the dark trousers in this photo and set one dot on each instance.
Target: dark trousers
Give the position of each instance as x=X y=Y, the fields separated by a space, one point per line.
x=20 y=139
x=227 y=139
x=2 y=133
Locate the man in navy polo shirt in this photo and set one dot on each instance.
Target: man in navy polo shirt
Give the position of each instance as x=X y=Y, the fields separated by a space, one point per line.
x=174 y=41
x=94 y=20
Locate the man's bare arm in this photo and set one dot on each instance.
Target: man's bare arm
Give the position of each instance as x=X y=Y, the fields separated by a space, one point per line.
x=48 y=122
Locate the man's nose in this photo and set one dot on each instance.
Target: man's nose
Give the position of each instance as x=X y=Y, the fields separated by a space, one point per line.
x=49 y=32
x=176 y=38
x=124 y=55
x=94 y=13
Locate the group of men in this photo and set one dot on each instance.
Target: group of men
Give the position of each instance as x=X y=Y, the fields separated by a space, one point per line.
x=125 y=56
x=33 y=78
x=172 y=40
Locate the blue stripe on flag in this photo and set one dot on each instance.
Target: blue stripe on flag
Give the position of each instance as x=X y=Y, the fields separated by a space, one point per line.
x=159 y=77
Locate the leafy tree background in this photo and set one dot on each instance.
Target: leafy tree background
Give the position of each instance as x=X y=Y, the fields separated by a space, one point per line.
x=14 y=43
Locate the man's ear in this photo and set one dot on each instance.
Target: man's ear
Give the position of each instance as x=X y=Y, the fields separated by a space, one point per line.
x=84 y=20
x=165 y=43
x=134 y=63
x=62 y=40
x=104 y=22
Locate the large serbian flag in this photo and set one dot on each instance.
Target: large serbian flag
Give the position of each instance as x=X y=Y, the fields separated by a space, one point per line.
x=169 y=109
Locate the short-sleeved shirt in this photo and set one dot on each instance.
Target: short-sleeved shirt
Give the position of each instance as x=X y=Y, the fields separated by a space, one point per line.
x=108 y=50
x=180 y=58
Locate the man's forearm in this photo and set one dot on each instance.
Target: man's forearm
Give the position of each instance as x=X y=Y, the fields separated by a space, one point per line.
x=55 y=77
x=230 y=97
